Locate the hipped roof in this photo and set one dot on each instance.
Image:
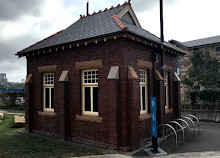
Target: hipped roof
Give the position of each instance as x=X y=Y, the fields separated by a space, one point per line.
x=104 y=23
x=202 y=42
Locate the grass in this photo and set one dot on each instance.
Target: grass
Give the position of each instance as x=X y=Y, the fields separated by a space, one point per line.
x=17 y=145
x=12 y=107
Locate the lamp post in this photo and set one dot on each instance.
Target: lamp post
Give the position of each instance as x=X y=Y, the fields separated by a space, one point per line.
x=154 y=139
x=161 y=22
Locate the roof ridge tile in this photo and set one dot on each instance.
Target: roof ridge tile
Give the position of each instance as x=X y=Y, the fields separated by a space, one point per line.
x=106 y=9
x=118 y=22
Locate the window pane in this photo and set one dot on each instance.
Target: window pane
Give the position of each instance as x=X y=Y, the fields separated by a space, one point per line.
x=87 y=100
x=143 y=98
x=47 y=91
x=52 y=98
x=95 y=99
x=90 y=76
x=142 y=76
x=49 y=79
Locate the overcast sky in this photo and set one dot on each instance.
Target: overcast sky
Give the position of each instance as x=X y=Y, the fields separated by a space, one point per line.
x=24 y=22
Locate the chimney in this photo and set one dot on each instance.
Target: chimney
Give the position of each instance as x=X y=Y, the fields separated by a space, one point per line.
x=87 y=13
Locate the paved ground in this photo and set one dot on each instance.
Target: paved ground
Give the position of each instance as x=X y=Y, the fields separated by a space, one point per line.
x=207 y=142
x=180 y=155
x=9 y=111
x=210 y=154
x=203 y=145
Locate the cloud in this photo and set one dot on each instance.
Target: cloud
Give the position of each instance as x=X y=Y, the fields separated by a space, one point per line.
x=9 y=63
x=14 y=9
x=25 y=23
x=148 y=5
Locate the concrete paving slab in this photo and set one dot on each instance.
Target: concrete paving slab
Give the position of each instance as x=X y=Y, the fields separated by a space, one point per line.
x=1 y=115
x=19 y=121
x=149 y=151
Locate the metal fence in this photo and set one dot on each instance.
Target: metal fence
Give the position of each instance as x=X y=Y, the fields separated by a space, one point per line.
x=203 y=115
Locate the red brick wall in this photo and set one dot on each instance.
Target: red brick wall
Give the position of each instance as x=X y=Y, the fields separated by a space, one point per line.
x=119 y=101
x=171 y=60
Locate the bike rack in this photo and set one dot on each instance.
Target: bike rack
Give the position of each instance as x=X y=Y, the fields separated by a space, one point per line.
x=182 y=128
x=193 y=116
x=179 y=119
x=175 y=122
x=191 y=122
x=167 y=125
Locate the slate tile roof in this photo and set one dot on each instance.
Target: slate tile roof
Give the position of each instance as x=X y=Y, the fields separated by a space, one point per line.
x=99 y=24
x=147 y=35
x=203 y=41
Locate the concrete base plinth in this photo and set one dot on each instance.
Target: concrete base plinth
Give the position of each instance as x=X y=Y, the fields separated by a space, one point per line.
x=150 y=152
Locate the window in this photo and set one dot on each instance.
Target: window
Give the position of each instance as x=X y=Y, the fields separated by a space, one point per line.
x=143 y=91
x=48 y=90
x=166 y=89
x=90 y=92
x=217 y=49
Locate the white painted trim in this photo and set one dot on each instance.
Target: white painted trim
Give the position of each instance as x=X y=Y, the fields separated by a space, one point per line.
x=91 y=86
x=50 y=86
x=143 y=84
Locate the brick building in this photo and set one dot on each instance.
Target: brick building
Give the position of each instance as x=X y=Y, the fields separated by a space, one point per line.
x=3 y=78
x=211 y=44
x=92 y=82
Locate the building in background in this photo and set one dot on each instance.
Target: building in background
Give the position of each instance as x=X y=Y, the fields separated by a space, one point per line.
x=3 y=78
x=211 y=44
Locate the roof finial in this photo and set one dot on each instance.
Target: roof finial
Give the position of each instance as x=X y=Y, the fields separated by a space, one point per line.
x=87 y=12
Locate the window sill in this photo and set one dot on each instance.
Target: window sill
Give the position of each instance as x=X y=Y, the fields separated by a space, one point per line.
x=167 y=111
x=96 y=119
x=144 y=117
x=45 y=113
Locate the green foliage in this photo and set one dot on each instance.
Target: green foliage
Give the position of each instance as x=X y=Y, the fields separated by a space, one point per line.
x=13 y=107
x=12 y=85
x=17 y=145
x=204 y=72
x=203 y=78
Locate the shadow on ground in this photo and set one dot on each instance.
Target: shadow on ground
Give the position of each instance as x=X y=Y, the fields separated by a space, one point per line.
x=207 y=140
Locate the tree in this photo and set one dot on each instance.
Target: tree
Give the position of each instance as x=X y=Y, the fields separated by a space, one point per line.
x=204 y=74
x=203 y=79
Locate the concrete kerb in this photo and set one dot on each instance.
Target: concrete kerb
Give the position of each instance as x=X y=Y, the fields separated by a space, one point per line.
x=106 y=156
x=9 y=111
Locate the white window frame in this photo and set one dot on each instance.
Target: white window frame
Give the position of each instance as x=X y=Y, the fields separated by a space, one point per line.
x=49 y=85
x=143 y=83
x=166 y=87
x=91 y=85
